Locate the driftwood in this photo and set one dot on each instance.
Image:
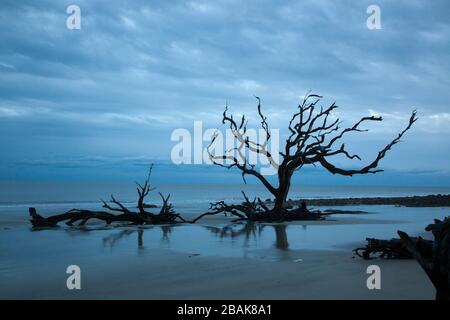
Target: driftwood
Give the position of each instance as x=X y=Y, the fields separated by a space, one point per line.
x=166 y=214
x=263 y=211
x=254 y=211
x=257 y=211
x=434 y=259
x=389 y=249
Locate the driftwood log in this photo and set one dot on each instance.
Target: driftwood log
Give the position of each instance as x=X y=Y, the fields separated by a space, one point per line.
x=254 y=211
x=388 y=249
x=257 y=211
x=166 y=214
x=435 y=258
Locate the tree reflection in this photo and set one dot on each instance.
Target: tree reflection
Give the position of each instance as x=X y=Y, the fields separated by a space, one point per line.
x=251 y=230
x=248 y=231
x=112 y=239
x=281 y=241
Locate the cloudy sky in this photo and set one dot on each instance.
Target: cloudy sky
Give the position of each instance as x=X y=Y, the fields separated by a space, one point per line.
x=103 y=101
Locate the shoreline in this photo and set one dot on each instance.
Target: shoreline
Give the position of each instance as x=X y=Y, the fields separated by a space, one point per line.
x=434 y=200
x=313 y=260
x=325 y=205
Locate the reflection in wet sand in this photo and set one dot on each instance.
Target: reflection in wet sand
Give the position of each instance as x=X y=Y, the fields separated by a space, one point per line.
x=112 y=239
x=252 y=230
x=248 y=231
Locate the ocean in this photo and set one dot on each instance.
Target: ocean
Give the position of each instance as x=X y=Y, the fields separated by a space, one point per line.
x=51 y=197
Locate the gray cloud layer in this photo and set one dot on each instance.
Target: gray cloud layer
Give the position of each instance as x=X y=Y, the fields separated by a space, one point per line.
x=139 y=69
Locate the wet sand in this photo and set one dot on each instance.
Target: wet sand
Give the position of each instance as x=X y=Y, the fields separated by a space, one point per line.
x=170 y=275
x=300 y=260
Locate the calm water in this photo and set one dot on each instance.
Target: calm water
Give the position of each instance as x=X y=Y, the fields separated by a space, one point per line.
x=51 y=197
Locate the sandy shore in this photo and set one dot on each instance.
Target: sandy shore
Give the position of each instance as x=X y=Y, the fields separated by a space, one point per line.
x=192 y=262
x=170 y=275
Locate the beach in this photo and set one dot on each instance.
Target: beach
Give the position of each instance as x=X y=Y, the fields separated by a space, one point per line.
x=214 y=259
x=174 y=275
x=257 y=150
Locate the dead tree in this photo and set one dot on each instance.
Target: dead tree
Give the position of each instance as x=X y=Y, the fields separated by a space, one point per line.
x=434 y=258
x=257 y=210
x=166 y=214
x=313 y=139
x=388 y=249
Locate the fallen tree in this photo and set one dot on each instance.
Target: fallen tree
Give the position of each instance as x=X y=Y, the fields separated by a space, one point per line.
x=435 y=257
x=432 y=255
x=166 y=214
x=388 y=249
x=255 y=210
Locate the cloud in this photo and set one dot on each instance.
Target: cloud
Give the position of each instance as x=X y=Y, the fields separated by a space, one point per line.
x=129 y=23
x=11 y=112
x=436 y=123
x=136 y=71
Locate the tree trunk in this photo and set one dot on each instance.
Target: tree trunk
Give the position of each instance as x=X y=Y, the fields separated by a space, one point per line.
x=284 y=180
x=443 y=294
x=435 y=258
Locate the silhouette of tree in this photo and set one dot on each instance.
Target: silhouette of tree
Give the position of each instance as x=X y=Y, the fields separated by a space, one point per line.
x=314 y=139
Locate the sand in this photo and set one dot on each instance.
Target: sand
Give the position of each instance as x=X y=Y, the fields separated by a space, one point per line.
x=169 y=275
x=34 y=264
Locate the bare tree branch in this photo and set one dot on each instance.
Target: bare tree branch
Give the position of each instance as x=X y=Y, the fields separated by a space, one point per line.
x=166 y=214
x=313 y=134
